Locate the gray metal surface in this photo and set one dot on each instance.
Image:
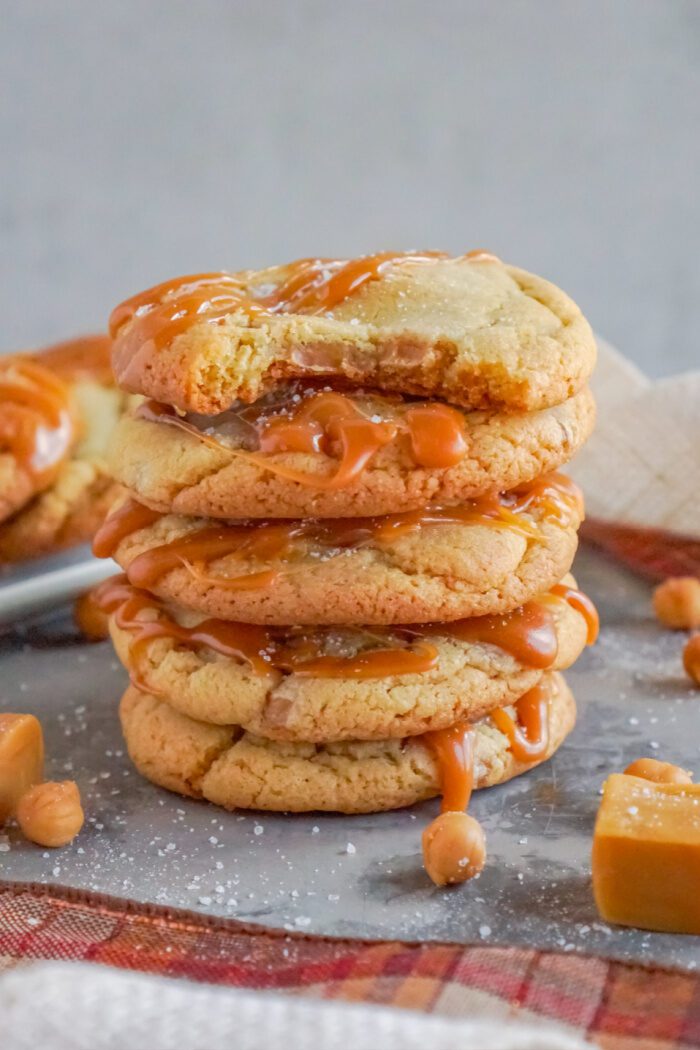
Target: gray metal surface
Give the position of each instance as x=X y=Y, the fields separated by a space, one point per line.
x=37 y=586
x=362 y=876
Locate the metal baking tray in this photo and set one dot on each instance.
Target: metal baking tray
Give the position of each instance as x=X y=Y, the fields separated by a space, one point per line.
x=361 y=876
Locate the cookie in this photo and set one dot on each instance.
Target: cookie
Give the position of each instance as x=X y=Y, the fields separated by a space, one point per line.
x=238 y=770
x=66 y=514
x=471 y=330
x=437 y=564
x=39 y=427
x=328 y=684
x=80 y=491
x=337 y=454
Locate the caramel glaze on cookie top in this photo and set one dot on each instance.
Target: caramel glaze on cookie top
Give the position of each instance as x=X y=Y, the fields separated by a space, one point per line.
x=38 y=429
x=328 y=683
x=306 y=451
x=265 y=560
x=470 y=329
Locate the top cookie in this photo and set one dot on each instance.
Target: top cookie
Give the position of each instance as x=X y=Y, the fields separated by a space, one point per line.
x=470 y=329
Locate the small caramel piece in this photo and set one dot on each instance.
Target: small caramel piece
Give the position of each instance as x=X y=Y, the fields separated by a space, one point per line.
x=90 y=619
x=50 y=814
x=658 y=772
x=454 y=848
x=646 y=855
x=677 y=602
x=691 y=659
x=21 y=759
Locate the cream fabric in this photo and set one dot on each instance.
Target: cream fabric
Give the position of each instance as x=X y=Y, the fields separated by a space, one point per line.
x=74 y=1006
x=642 y=464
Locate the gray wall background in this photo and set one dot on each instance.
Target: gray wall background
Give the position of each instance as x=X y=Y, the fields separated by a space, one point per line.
x=140 y=139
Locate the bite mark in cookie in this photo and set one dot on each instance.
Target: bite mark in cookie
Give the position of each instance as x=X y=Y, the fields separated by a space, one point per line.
x=470 y=330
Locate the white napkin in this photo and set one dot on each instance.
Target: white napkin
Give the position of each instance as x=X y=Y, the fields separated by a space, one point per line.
x=74 y=1006
x=642 y=465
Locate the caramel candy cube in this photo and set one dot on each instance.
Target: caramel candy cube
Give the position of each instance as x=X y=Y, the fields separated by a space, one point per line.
x=646 y=855
x=21 y=759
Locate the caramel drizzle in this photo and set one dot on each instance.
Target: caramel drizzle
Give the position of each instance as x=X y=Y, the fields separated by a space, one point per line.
x=36 y=422
x=583 y=605
x=284 y=542
x=528 y=740
x=453 y=749
x=291 y=652
x=128 y=518
x=528 y=634
x=311 y=286
x=528 y=735
x=331 y=424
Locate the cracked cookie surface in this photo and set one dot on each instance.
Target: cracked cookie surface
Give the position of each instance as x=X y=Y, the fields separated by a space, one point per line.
x=238 y=770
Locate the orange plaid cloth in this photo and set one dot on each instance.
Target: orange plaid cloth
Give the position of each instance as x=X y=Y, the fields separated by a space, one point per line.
x=617 y=1006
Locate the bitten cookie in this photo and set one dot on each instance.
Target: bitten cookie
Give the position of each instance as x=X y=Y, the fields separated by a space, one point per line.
x=471 y=330
x=327 y=684
x=430 y=565
x=237 y=770
x=317 y=453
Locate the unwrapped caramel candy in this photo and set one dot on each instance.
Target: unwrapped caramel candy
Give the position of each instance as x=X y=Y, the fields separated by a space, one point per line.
x=646 y=854
x=21 y=760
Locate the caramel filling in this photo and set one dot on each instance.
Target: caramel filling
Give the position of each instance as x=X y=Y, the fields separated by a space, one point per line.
x=311 y=286
x=277 y=545
x=331 y=424
x=36 y=423
x=528 y=634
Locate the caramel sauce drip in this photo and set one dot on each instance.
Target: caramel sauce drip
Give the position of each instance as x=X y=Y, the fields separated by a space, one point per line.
x=85 y=357
x=331 y=424
x=285 y=542
x=36 y=421
x=311 y=286
x=453 y=749
x=556 y=494
x=527 y=633
x=138 y=613
x=128 y=518
x=583 y=605
x=298 y=652
x=528 y=735
x=282 y=542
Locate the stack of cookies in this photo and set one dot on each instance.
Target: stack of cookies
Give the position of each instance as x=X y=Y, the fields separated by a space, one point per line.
x=57 y=409
x=345 y=546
